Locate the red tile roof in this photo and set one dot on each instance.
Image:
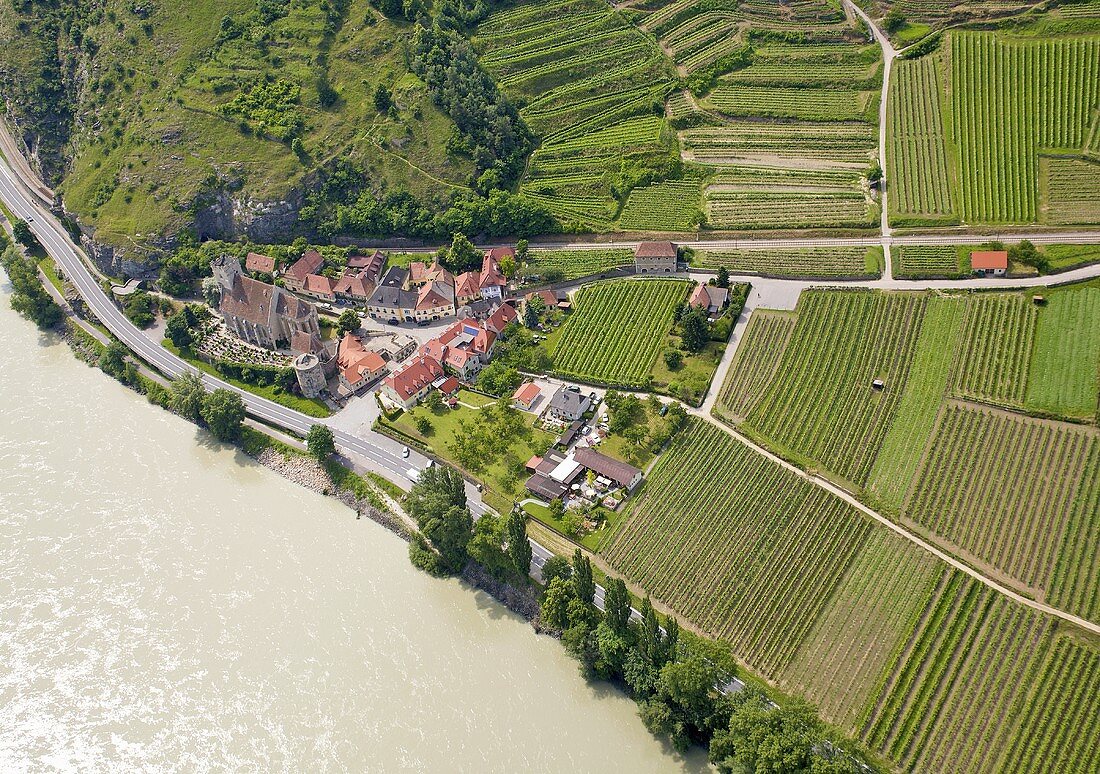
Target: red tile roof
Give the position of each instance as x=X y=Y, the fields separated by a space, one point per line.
x=414 y=377
x=490 y=271
x=699 y=297
x=655 y=250
x=357 y=284
x=308 y=264
x=468 y=285
x=318 y=283
x=450 y=385
x=500 y=319
x=989 y=259
x=549 y=297
x=260 y=263
x=526 y=393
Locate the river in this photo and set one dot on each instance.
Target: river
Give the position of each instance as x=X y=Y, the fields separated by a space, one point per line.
x=168 y=604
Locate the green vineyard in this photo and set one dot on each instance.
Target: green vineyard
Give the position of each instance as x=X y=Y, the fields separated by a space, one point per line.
x=1000 y=487
x=618 y=330
x=928 y=261
x=764 y=209
x=577 y=263
x=821 y=405
x=1063 y=377
x=796 y=262
x=996 y=352
x=674 y=205
x=918 y=166
x=737 y=544
x=755 y=363
x=791 y=102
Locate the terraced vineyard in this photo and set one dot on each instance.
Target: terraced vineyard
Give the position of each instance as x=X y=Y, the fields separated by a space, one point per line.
x=917 y=164
x=1064 y=377
x=756 y=361
x=577 y=263
x=996 y=353
x=841 y=146
x=872 y=610
x=583 y=76
x=673 y=205
x=821 y=407
x=795 y=262
x=808 y=104
x=737 y=544
x=928 y=261
x=618 y=330
x=1046 y=88
x=1000 y=487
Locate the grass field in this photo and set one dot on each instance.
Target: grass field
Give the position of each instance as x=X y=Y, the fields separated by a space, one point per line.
x=1064 y=377
x=617 y=330
x=903 y=446
x=1000 y=486
x=737 y=544
x=796 y=262
x=820 y=407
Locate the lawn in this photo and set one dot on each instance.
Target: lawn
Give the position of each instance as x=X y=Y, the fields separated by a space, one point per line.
x=617 y=331
x=309 y=406
x=690 y=381
x=1065 y=362
x=479 y=442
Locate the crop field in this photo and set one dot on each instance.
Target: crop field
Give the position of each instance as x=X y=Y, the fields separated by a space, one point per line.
x=777 y=209
x=918 y=166
x=1071 y=190
x=1000 y=486
x=618 y=330
x=873 y=608
x=996 y=353
x=902 y=449
x=1077 y=575
x=841 y=144
x=756 y=361
x=1048 y=88
x=928 y=261
x=748 y=177
x=1064 y=377
x=790 y=102
x=856 y=72
x=821 y=406
x=673 y=205
x=953 y=692
x=795 y=262
x=737 y=544
x=578 y=263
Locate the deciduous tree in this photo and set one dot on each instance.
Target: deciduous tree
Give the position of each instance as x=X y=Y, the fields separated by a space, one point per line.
x=223 y=412
x=320 y=441
x=187 y=396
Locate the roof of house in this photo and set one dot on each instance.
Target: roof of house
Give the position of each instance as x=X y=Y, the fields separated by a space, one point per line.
x=458 y=358
x=391 y=293
x=718 y=296
x=534 y=462
x=497 y=253
x=490 y=271
x=569 y=401
x=414 y=376
x=989 y=259
x=355 y=283
x=549 y=297
x=699 y=297
x=544 y=486
x=526 y=392
x=372 y=262
x=499 y=320
x=308 y=264
x=618 y=471
x=318 y=283
x=434 y=295
x=655 y=250
x=258 y=262
x=468 y=284
x=449 y=385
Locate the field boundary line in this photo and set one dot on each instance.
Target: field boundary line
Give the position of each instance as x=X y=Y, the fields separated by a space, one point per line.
x=939 y=553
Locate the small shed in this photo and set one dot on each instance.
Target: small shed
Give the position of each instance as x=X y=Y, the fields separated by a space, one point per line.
x=989 y=263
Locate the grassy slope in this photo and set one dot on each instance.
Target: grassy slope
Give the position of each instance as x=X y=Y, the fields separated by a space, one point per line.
x=152 y=142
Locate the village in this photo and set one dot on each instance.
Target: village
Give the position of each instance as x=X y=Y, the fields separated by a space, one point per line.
x=402 y=349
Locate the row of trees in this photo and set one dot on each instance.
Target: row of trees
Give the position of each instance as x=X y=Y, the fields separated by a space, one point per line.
x=220 y=411
x=29 y=298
